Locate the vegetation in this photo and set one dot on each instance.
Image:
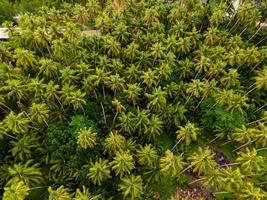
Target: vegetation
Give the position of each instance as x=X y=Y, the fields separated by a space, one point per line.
x=170 y=95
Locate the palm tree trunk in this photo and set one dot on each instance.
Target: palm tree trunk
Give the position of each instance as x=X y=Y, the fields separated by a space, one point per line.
x=244 y=145
x=261 y=107
x=103 y=111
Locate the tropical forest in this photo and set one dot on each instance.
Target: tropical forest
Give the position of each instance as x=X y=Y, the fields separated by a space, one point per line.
x=133 y=99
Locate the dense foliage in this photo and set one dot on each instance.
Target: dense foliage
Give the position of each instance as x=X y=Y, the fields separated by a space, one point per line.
x=170 y=96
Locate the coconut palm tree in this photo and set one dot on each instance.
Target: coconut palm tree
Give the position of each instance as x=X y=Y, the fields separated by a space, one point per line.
x=154 y=128
x=123 y=163
x=39 y=113
x=250 y=161
x=114 y=142
x=171 y=164
x=85 y=194
x=202 y=161
x=24 y=58
x=126 y=122
x=261 y=79
x=147 y=155
x=99 y=171
x=157 y=100
x=86 y=138
x=187 y=133
x=131 y=187
x=28 y=173
x=16 y=191
x=133 y=92
x=17 y=124
x=21 y=148
x=249 y=191
x=233 y=179
x=60 y=193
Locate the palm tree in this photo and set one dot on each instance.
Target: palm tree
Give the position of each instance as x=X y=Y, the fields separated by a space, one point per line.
x=154 y=127
x=48 y=67
x=27 y=173
x=114 y=142
x=15 y=90
x=157 y=100
x=131 y=187
x=233 y=179
x=18 y=124
x=86 y=138
x=131 y=52
x=202 y=161
x=151 y=16
x=147 y=155
x=126 y=122
x=16 y=191
x=76 y=99
x=261 y=79
x=93 y=8
x=183 y=45
x=123 y=163
x=249 y=191
x=149 y=78
x=121 y=33
x=133 y=92
x=157 y=51
x=171 y=164
x=115 y=83
x=99 y=171
x=250 y=161
x=24 y=58
x=230 y=79
x=22 y=148
x=141 y=120
x=112 y=47
x=85 y=194
x=60 y=193
x=81 y=14
x=188 y=133
x=39 y=113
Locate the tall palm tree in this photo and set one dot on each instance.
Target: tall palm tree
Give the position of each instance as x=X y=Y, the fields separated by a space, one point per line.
x=24 y=58
x=22 y=148
x=39 y=113
x=85 y=194
x=154 y=128
x=123 y=163
x=60 y=193
x=157 y=100
x=147 y=155
x=250 y=191
x=233 y=179
x=86 y=138
x=171 y=164
x=131 y=187
x=202 y=161
x=16 y=191
x=114 y=142
x=250 y=161
x=187 y=133
x=261 y=79
x=27 y=173
x=17 y=124
x=99 y=171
